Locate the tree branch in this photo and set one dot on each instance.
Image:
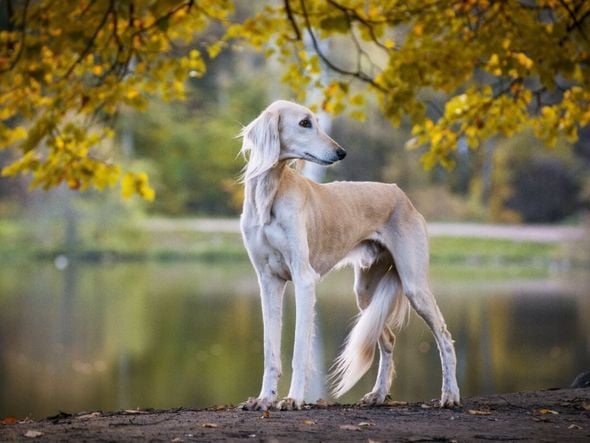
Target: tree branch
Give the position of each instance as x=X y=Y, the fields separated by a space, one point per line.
x=90 y=42
x=358 y=74
x=188 y=5
x=351 y=14
x=9 y=12
x=23 y=33
x=576 y=23
x=292 y=20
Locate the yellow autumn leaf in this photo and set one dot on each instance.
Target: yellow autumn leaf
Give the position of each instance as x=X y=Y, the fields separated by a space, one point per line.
x=418 y=29
x=358 y=115
x=357 y=100
x=131 y=93
x=524 y=60
x=137 y=184
x=97 y=70
x=128 y=185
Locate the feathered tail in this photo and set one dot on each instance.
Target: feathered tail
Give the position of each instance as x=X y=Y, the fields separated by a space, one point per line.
x=388 y=306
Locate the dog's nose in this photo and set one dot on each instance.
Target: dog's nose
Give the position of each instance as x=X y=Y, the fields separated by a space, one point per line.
x=341 y=153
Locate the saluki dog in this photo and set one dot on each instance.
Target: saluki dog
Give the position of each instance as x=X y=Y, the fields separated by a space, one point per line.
x=296 y=229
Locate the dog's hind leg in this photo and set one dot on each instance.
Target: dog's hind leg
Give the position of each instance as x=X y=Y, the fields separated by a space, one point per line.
x=386 y=371
x=423 y=302
x=409 y=246
x=365 y=284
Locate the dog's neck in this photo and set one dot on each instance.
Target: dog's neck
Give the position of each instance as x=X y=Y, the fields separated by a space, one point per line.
x=260 y=193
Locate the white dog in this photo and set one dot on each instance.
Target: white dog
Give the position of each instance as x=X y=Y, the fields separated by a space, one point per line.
x=295 y=229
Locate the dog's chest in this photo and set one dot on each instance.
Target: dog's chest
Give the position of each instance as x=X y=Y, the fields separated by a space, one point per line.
x=269 y=248
x=277 y=245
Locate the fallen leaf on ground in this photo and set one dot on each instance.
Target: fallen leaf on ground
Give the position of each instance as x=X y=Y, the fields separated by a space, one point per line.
x=548 y=411
x=397 y=403
x=33 y=434
x=308 y=422
x=89 y=415
x=479 y=412
x=574 y=427
x=365 y=424
x=209 y=425
x=425 y=406
x=349 y=428
x=265 y=414
x=10 y=420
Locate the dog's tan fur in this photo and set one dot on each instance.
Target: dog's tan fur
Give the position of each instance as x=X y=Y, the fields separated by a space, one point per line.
x=295 y=229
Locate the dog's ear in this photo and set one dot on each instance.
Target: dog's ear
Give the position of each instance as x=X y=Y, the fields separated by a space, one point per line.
x=262 y=141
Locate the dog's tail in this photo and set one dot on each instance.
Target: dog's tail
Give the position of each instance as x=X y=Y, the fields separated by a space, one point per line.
x=388 y=306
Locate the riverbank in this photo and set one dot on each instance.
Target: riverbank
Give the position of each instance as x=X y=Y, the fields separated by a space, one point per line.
x=528 y=248
x=540 y=416
x=533 y=233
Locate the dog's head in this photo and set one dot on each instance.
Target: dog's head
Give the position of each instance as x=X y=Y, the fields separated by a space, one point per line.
x=285 y=131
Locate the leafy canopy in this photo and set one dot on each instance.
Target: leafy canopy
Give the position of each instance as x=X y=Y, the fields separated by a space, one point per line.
x=67 y=68
x=501 y=66
x=497 y=67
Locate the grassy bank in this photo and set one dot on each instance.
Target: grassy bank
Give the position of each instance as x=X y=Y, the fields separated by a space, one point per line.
x=131 y=241
x=472 y=258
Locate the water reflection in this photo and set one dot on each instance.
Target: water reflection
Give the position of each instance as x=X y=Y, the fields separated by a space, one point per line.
x=121 y=336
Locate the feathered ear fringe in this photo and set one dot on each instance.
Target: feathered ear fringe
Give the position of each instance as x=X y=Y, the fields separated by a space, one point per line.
x=261 y=140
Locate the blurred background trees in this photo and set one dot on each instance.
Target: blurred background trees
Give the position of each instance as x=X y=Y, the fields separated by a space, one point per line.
x=496 y=126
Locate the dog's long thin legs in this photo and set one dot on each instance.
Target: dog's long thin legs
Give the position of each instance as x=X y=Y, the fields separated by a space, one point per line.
x=423 y=302
x=410 y=253
x=386 y=365
x=386 y=370
x=271 y=296
x=366 y=282
x=304 y=323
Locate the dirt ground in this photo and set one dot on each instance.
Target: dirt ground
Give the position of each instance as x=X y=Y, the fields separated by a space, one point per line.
x=555 y=415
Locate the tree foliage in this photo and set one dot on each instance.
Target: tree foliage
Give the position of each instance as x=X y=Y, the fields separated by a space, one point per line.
x=501 y=65
x=193 y=153
x=493 y=67
x=66 y=66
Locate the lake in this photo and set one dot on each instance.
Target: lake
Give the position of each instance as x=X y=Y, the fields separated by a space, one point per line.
x=87 y=336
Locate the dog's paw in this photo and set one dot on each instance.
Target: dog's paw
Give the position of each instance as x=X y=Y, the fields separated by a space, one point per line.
x=290 y=404
x=256 y=404
x=450 y=399
x=372 y=399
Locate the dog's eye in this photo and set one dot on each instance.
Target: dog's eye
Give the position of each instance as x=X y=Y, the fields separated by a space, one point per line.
x=305 y=123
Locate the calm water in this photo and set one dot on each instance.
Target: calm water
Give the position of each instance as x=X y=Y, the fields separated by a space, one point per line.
x=119 y=336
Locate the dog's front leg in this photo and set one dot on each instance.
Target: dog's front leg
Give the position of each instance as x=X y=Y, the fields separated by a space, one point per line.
x=304 y=321
x=271 y=296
